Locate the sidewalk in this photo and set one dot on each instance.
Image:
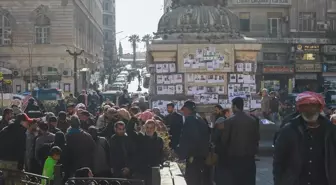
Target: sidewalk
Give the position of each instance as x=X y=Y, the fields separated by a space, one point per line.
x=264 y=171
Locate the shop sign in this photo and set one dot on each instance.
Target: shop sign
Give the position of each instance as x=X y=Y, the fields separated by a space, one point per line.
x=308 y=67
x=306 y=77
x=329 y=67
x=278 y=69
x=308 y=48
x=276 y=2
x=246 y=56
x=330 y=49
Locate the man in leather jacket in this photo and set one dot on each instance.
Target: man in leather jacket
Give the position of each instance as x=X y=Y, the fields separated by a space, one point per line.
x=305 y=149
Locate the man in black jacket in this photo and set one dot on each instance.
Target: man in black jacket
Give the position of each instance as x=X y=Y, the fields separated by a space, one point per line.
x=240 y=138
x=305 y=150
x=194 y=144
x=174 y=121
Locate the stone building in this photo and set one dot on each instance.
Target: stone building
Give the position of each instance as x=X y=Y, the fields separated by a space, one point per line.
x=167 y=5
x=109 y=28
x=293 y=35
x=34 y=37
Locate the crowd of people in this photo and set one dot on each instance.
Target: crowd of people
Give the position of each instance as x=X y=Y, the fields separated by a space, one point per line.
x=120 y=142
x=127 y=141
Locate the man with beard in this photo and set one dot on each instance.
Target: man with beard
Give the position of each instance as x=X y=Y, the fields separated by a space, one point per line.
x=174 y=121
x=62 y=122
x=305 y=147
x=6 y=117
x=71 y=110
x=85 y=119
x=122 y=152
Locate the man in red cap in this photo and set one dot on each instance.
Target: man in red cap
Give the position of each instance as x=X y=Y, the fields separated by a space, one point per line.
x=305 y=149
x=13 y=143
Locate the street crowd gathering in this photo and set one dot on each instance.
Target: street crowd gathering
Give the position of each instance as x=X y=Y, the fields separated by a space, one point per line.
x=126 y=141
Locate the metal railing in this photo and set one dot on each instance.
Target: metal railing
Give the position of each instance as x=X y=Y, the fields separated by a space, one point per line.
x=17 y=177
x=103 y=181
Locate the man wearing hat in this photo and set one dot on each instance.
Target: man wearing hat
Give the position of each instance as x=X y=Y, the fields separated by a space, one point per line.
x=194 y=144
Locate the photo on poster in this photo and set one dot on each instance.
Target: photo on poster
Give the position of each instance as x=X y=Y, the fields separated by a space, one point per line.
x=230 y=88
x=159 y=89
x=246 y=79
x=221 y=59
x=213 y=99
x=248 y=67
x=197 y=98
x=220 y=90
x=186 y=63
x=216 y=64
x=165 y=89
x=200 y=89
x=253 y=88
x=166 y=79
x=158 y=68
x=220 y=78
x=233 y=78
x=195 y=64
x=202 y=78
x=171 y=89
x=172 y=68
x=165 y=68
x=191 y=90
x=172 y=79
x=190 y=78
x=178 y=78
x=159 y=79
x=252 y=79
x=240 y=67
x=211 y=78
x=210 y=66
x=210 y=89
x=179 y=89
x=246 y=88
x=240 y=78
x=199 y=53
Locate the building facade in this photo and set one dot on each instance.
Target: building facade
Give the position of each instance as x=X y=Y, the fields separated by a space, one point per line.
x=293 y=34
x=35 y=36
x=109 y=28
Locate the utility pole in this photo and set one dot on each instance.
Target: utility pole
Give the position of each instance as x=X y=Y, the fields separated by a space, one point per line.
x=75 y=55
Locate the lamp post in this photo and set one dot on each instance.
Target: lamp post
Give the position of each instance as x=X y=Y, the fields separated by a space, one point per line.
x=75 y=55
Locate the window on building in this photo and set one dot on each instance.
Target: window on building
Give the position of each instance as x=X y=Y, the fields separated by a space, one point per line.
x=307 y=21
x=42 y=30
x=274 y=27
x=244 y=21
x=105 y=20
x=106 y=6
x=330 y=58
x=5 y=30
x=332 y=26
x=270 y=56
x=105 y=36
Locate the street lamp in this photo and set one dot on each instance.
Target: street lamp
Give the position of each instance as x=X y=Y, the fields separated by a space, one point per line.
x=75 y=55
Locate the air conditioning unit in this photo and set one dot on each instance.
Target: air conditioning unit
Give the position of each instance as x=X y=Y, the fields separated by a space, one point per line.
x=16 y=73
x=67 y=72
x=322 y=26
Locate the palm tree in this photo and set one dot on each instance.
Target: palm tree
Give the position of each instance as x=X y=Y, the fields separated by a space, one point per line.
x=134 y=39
x=146 y=38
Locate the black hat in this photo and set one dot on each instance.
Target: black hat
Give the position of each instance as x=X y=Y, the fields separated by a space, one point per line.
x=189 y=104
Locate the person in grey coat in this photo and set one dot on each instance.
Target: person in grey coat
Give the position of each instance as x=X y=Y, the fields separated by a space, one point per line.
x=45 y=137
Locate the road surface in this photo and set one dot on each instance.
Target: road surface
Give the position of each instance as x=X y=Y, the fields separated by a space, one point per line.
x=133 y=86
x=264 y=171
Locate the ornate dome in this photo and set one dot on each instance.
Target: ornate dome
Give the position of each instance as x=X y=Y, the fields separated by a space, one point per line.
x=199 y=19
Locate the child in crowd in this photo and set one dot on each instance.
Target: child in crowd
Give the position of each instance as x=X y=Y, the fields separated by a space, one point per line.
x=49 y=165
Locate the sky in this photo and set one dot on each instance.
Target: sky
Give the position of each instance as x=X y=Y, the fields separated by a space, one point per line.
x=136 y=17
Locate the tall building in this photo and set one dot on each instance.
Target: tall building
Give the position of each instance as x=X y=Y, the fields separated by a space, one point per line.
x=109 y=27
x=35 y=36
x=293 y=33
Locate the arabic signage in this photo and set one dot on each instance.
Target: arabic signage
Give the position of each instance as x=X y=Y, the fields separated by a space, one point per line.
x=329 y=49
x=308 y=67
x=278 y=69
x=261 y=40
x=308 y=48
x=276 y=2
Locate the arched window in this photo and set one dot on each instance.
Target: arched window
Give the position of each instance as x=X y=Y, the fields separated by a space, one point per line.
x=42 y=30
x=5 y=29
